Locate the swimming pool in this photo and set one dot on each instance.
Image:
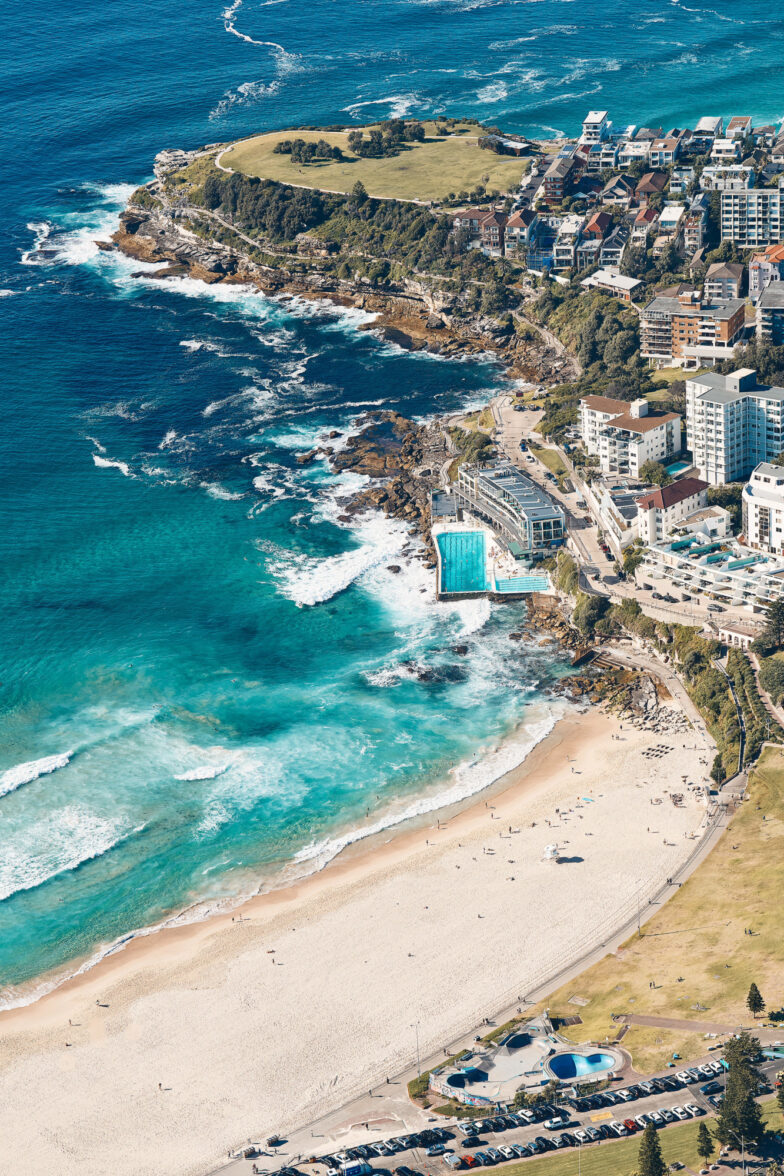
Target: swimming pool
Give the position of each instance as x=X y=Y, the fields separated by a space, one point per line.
x=575 y=1065
x=523 y=584
x=678 y=467
x=462 y=561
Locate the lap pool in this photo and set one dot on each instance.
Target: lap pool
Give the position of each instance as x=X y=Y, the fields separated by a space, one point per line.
x=462 y=555
x=575 y=1065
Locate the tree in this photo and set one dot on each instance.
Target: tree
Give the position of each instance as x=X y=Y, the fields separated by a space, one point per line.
x=754 y=1001
x=774 y=624
x=718 y=771
x=705 y=1144
x=650 y=1161
x=780 y=1098
x=740 y=1118
x=654 y=471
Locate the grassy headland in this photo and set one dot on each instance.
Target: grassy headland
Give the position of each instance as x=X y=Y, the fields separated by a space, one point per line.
x=448 y=161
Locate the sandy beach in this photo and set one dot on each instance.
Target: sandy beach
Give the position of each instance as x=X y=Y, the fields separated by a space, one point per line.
x=258 y=1024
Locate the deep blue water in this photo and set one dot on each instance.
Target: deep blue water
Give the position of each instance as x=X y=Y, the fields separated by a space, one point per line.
x=215 y=673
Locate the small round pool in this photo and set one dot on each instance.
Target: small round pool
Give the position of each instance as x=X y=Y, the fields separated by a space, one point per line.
x=575 y=1065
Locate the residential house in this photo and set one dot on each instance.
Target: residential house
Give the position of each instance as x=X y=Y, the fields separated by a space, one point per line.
x=595 y=412
x=739 y=127
x=520 y=232
x=736 y=177
x=491 y=231
x=706 y=130
x=763 y=508
x=468 y=219
x=598 y=225
x=651 y=184
x=635 y=151
x=683 y=331
x=770 y=314
x=600 y=157
x=732 y=424
x=754 y=218
x=726 y=150
x=664 y=152
x=566 y=242
x=643 y=226
x=765 y=268
x=680 y=179
x=619 y=190
x=764 y=136
x=660 y=511
x=670 y=226
x=613 y=247
x=723 y=280
x=589 y=253
x=613 y=282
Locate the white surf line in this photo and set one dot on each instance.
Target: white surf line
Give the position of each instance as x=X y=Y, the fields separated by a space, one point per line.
x=230 y=26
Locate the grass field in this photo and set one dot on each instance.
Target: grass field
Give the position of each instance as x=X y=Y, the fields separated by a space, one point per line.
x=695 y=949
x=551 y=459
x=422 y=171
x=678 y=1143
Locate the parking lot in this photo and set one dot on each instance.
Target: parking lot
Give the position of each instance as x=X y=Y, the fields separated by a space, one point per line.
x=573 y=1121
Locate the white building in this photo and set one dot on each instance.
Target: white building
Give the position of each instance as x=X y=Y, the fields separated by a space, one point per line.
x=680 y=179
x=753 y=218
x=566 y=242
x=719 y=569
x=763 y=508
x=765 y=268
x=635 y=151
x=736 y=177
x=614 y=282
x=670 y=220
x=660 y=511
x=726 y=150
x=624 y=437
x=596 y=127
x=732 y=424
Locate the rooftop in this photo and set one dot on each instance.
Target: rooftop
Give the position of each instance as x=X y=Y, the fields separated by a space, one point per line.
x=671 y=495
x=644 y=424
x=668 y=307
x=720 y=389
x=605 y=404
x=772 y=297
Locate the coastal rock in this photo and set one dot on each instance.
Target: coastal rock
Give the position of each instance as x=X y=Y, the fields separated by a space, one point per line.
x=304 y=459
x=395 y=568
x=460 y=650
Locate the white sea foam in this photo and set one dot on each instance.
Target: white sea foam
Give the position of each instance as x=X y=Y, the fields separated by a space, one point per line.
x=205 y=772
x=25 y=773
x=398 y=105
x=215 y=490
x=169 y=438
x=94 y=441
x=61 y=842
x=106 y=463
x=466 y=779
x=495 y=92
x=9 y=293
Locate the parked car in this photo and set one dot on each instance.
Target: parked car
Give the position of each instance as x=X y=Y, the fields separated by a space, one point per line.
x=507 y=1152
x=711 y=1087
x=641 y=1121
x=693 y=1109
x=631 y=1125
x=656 y=1118
x=716 y=1100
x=470 y=1141
x=593 y=1134
x=618 y=1129
x=582 y=1136
x=521 y=1149
x=680 y=1113
x=553 y=1124
x=684 y=1077
x=647 y=1087
x=435 y=1149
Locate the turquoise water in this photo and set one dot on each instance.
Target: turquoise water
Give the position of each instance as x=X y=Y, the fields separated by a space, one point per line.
x=523 y=584
x=462 y=561
x=678 y=467
x=207 y=675
x=574 y=1065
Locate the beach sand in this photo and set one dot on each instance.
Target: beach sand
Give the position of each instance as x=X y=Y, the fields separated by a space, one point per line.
x=262 y=1024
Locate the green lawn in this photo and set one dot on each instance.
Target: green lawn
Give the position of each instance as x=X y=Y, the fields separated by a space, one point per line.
x=551 y=459
x=678 y=1143
x=421 y=171
x=695 y=948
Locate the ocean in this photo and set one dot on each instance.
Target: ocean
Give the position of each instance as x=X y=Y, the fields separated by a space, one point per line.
x=209 y=681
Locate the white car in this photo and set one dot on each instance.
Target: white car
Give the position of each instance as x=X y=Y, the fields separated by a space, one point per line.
x=694 y=1110
x=684 y=1077
x=667 y=1115
x=553 y=1124
x=680 y=1113
x=641 y=1121
x=619 y=1129
x=507 y=1152
x=646 y=1087
x=624 y=1094
x=582 y=1136
x=716 y=1067
x=656 y=1118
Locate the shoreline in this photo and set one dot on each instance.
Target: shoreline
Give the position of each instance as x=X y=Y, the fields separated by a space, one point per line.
x=357 y=843
x=365 y=944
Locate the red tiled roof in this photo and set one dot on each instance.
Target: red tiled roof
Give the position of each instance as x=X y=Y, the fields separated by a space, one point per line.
x=521 y=219
x=672 y=494
x=642 y=424
x=606 y=404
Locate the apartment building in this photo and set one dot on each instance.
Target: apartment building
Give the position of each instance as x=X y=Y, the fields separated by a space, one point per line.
x=695 y=226
x=660 y=511
x=625 y=440
x=765 y=268
x=763 y=508
x=726 y=151
x=596 y=127
x=753 y=218
x=723 y=280
x=520 y=232
x=559 y=178
x=680 y=179
x=683 y=331
x=770 y=314
x=739 y=127
x=732 y=424
x=664 y=152
x=737 y=177
x=635 y=151
x=567 y=241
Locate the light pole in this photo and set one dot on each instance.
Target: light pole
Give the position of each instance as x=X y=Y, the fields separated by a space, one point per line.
x=742 y=1150
x=415 y=1027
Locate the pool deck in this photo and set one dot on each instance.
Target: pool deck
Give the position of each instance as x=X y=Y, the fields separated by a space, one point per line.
x=505 y=578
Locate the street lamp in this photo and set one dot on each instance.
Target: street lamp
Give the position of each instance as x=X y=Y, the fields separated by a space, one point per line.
x=742 y=1150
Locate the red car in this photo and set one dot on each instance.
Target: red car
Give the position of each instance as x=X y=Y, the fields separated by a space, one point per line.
x=631 y=1126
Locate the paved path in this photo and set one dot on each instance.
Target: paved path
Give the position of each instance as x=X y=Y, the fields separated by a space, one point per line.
x=685 y=1026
